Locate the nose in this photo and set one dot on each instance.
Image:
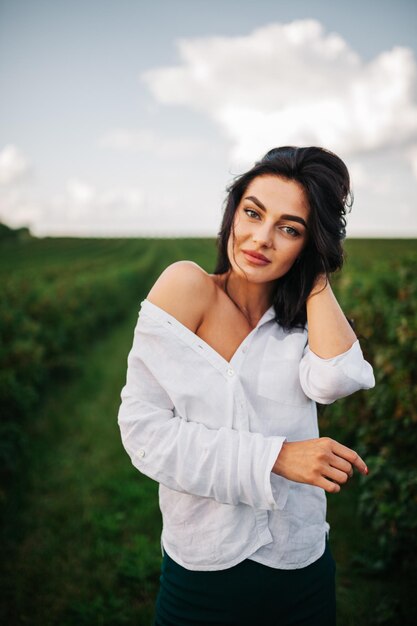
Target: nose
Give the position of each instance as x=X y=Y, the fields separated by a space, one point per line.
x=263 y=236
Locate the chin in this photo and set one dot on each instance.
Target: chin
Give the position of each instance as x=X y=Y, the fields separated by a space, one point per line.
x=253 y=275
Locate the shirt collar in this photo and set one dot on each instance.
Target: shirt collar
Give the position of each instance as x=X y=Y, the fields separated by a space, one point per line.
x=268 y=315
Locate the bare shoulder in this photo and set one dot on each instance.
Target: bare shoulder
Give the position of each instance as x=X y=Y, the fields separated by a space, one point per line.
x=185 y=291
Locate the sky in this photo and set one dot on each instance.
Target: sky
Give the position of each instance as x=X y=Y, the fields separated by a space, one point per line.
x=131 y=117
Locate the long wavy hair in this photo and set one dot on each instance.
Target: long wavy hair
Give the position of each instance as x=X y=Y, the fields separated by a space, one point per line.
x=326 y=183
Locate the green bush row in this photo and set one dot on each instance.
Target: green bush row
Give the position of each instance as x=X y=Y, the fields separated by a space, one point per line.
x=381 y=423
x=46 y=325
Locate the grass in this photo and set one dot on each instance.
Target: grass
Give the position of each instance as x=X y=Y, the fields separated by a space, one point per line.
x=86 y=547
x=364 y=597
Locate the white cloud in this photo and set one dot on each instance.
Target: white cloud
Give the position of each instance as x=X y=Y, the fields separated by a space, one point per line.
x=384 y=195
x=358 y=175
x=365 y=176
x=293 y=84
x=83 y=205
x=19 y=207
x=18 y=203
x=80 y=209
x=412 y=156
x=80 y=193
x=14 y=166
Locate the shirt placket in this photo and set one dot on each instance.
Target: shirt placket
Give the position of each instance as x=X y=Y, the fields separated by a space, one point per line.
x=243 y=422
x=232 y=371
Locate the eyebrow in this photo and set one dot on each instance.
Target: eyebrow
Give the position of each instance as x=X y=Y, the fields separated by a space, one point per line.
x=292 y=218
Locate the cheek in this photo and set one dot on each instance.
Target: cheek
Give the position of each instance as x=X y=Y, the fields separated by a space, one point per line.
x=238 y=233
x=289 y=254
x=242 y=231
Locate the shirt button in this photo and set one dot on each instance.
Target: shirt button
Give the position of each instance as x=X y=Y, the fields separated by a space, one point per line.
x=230 y=371
x=141 y=453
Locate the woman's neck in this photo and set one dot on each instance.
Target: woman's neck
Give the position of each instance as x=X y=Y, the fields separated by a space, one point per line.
x=253 y=299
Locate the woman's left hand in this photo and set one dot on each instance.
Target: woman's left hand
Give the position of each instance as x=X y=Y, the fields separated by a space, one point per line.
x=322 y=462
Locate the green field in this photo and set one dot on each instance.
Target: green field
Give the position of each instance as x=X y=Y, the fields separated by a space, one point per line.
x=81 y=526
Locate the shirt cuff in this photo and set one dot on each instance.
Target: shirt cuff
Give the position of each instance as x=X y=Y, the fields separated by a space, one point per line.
x=276 y=487
x=351 y=363
x=327 y=380
x=353 y=351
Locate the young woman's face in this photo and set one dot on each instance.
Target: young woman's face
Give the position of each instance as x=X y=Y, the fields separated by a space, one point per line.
x=271 y=220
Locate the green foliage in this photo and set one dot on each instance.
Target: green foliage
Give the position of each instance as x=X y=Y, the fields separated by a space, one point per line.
x=81 y=534
x=13 y=235
x=381 y=424
x=60 y=297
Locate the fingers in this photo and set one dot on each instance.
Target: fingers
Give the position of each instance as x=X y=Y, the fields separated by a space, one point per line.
x=341 y=464
x=322 y=462
x=336 y=475
x=328 y=485
x=349 y=455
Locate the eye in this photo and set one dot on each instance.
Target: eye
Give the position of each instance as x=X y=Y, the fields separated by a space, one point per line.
x=291 y=231
x=254 y=213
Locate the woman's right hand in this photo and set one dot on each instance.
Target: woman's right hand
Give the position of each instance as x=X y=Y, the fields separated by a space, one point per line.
x=322 y=462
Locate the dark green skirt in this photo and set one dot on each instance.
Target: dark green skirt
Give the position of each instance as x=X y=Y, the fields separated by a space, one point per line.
x=247 y=594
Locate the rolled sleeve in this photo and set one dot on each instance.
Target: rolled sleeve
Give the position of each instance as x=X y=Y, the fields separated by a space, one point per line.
x=276 y=486
x=327 y=380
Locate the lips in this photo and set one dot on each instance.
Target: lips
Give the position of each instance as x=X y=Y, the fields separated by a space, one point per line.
x=256 y=255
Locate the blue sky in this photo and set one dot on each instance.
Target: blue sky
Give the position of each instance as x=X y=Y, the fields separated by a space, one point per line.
x=130 y=117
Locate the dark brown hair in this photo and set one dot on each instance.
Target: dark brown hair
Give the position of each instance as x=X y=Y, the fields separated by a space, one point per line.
x=326 y=183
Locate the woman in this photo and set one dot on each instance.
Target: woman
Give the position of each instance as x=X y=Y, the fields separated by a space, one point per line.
x=220 y=400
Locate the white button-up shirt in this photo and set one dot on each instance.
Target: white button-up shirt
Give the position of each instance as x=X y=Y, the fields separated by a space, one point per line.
x=209 y=431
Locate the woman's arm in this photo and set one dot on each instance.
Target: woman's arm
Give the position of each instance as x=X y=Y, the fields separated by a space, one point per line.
x=332 y=365
x=335 y=369
x=329 y=332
